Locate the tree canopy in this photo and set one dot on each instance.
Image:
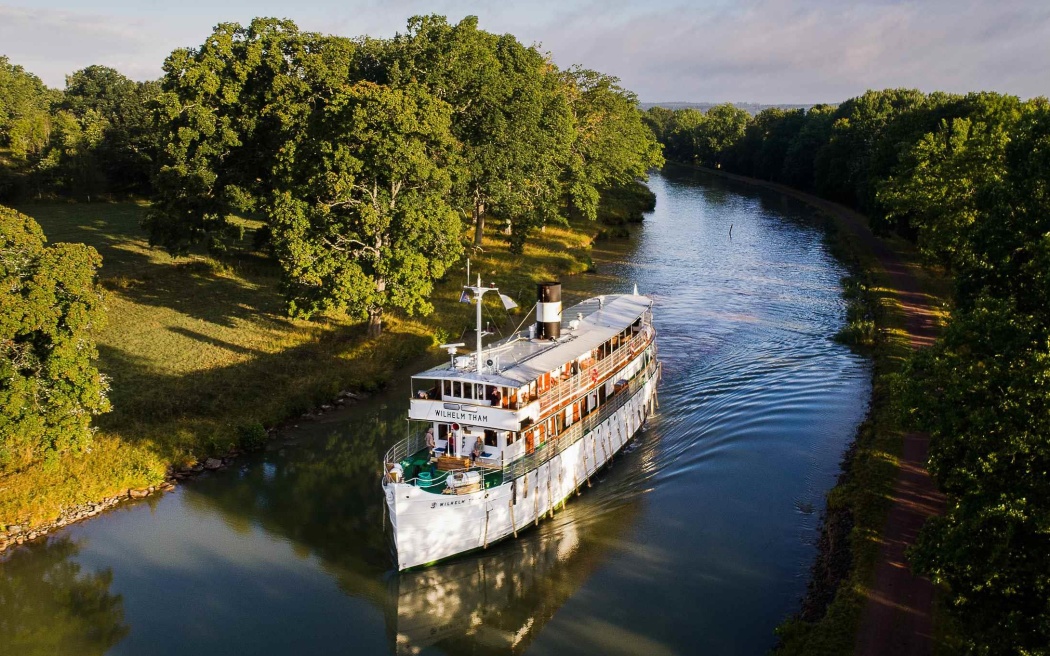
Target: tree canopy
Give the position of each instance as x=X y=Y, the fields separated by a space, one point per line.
x=240 y=115
x=510 y=115
x=50 y=308
x=362 y=220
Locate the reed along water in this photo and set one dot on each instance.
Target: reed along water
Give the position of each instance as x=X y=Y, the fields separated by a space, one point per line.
x=698 y=538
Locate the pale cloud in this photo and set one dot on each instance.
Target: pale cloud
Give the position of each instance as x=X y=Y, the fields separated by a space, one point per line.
x=757 y=50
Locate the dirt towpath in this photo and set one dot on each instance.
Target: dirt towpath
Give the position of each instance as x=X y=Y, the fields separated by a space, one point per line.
x=897 y=617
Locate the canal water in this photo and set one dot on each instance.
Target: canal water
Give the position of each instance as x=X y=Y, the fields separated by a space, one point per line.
x=698 y=539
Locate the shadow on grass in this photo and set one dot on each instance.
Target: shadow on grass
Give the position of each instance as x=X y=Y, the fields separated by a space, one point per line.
x=204 y=410
x=203 y=290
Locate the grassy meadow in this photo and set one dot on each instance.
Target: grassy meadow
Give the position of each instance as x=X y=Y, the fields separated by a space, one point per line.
x=201 y=354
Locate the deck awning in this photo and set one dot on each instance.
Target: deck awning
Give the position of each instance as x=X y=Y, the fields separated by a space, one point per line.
x=526 y=360
x=594 y=330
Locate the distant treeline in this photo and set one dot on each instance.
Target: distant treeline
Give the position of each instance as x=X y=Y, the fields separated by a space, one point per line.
x=96 y=137
x=750 y=108
x=968 y=178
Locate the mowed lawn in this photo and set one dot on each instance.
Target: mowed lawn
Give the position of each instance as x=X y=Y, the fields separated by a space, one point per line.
x=199 y=350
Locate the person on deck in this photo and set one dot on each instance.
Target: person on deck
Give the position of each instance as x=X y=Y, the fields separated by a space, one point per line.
x=431 y=442
x=496 y=397
x=479 y=448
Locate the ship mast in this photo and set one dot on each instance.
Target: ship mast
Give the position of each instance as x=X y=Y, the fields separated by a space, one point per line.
x=479 y=292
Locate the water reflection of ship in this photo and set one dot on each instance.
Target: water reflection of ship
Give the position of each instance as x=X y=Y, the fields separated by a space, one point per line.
x=498 y=601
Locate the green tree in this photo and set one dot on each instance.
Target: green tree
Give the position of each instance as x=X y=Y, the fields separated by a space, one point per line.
x=509 y=113
x=867 y=135
x=125 y=155
x=983 y=393
x=613 y=147
x=225 y=110
x=723 y=127
x=25 y=104
x=707 y=138
x=362 y=220
x=935 y=188
x=683 y=141
x=661 y=121
x=800 y=158
x=50 y=309
x=768 y=136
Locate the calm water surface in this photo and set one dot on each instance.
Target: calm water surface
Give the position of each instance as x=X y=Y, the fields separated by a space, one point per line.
x=697 y=540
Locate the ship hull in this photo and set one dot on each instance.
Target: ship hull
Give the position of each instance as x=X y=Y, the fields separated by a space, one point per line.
x=430 y=527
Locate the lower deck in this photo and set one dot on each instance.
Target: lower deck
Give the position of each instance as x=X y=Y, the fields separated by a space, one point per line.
x=423 y=469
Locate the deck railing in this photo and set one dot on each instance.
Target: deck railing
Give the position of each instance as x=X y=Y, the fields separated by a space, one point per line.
x=575 y=433
x=404 y=448
x=565 y=390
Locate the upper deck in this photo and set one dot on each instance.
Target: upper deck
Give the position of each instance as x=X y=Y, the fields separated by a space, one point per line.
x=519 y=360
x=522 y=377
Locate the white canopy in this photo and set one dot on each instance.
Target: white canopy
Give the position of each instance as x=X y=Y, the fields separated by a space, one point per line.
x=523 y=361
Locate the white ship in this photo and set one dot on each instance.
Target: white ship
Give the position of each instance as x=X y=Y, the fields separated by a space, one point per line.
x=499 y=438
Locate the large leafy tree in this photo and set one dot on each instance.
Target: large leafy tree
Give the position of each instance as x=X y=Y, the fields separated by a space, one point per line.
x=102 y=99
x=509 y=114
x=50 y=309
x=25 y=105
x=707 y=138
x=683 y=141
x=766 y=141
x=935 y=189
x=722 y=129
x=613 y=146
x=798 y=168
x=226 y=109
x=362 y=219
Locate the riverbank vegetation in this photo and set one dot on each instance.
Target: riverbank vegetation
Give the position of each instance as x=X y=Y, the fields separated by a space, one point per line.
x=965 y=178
x=315 y=198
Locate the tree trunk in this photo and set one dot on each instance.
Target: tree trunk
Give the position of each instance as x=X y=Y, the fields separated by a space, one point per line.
x=375 y=321
x=479 y=223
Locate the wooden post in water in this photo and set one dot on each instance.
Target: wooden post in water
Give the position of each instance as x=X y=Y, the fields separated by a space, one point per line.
x=550 y=497
x=536 y=500
x=561 y=487
x=513 y=525
x=594 y=449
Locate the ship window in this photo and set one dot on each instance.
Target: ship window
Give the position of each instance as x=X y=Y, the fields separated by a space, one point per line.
x=446 y=387
x=479 y=391
x=457 y=389
x=490 y=437
x=468 y=391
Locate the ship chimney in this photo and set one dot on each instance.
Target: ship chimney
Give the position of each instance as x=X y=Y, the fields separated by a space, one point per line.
x=548 y=310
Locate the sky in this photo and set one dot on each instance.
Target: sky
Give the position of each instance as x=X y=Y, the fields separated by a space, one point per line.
x=762 y=51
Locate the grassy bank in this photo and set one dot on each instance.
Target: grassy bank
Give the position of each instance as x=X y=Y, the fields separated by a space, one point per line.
x=202 y=357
